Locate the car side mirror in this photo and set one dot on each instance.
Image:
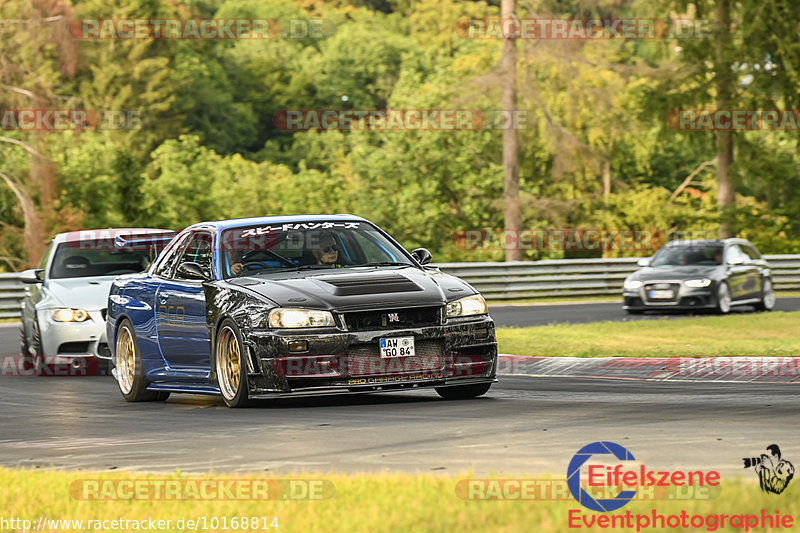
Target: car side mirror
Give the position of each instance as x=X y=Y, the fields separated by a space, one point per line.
x=735 y=261
x=34 y=275
x=643 y=262
x=422 y=256
x=192 y=271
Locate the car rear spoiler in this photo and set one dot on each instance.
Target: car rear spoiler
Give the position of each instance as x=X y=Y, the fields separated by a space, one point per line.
x=143 y=240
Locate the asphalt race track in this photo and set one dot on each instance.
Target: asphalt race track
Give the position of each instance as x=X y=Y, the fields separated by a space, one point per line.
x=524 y=425
x=541 y=315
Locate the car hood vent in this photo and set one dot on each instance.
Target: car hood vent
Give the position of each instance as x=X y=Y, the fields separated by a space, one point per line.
x=377 y=284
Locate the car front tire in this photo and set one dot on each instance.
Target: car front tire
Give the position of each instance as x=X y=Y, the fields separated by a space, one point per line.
x=767 y=302
x=36 y=348
x=130 y=371
x=723 y=298
x=463 y=392
x=230 y=365
x=23 y=340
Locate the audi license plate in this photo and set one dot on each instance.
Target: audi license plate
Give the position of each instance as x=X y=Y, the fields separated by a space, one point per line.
x=397 y=346
x=660 y=295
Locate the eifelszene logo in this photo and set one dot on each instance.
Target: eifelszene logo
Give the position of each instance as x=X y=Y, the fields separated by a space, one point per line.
x=619 y=477
x=774 y=473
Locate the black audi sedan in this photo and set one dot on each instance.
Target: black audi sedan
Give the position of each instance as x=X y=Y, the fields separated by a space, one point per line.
x=700 y=274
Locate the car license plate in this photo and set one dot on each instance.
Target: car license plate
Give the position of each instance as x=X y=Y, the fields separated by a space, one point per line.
x=397 y=346
x=660 y=295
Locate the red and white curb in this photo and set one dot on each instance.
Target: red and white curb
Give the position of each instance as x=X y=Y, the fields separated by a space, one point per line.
x=719 y=369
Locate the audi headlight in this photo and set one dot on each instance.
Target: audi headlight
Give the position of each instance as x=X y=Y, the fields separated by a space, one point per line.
x=69 y=315
x=632 y=284
x=469 y=306
x=299 y=318
x=697 y=283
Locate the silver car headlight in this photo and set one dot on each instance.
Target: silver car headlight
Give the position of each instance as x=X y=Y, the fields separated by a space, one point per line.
x=697 y=283
x=469 y=306
x=632 y=284
x=299 y=318
x=69 y=315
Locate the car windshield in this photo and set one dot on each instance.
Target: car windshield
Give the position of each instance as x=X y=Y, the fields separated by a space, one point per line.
x=307 y=245
x=86 y=259
x=706 y=255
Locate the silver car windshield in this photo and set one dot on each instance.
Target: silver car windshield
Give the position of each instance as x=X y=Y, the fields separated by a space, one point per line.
x=78 y=260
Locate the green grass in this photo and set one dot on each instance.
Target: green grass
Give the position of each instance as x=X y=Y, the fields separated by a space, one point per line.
x=773 y=334
x=361 y=503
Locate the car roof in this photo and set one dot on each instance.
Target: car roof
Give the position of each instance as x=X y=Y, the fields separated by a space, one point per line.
x=706 y=242
x=220 y=225
x=103 y=234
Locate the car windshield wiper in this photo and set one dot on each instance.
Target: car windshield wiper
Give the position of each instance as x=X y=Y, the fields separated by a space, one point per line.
x=302 y=267
x=385 y=263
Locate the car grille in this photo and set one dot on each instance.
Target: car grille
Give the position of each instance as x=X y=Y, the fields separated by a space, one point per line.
x=364 y=359
x=70 y=348
x=649 y=289
x=393 y=318
x=422 y=348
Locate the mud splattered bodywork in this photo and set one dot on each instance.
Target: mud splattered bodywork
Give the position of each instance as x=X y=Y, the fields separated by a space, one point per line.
x=367 y=303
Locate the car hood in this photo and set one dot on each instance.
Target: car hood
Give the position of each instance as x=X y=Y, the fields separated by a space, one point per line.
x=676 y=272
x=359 y=288
x=80 y=293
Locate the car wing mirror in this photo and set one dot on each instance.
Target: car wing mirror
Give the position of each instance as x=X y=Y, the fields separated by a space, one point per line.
x=191 y=270
x=735 y=261
x=422 y=256
x=34 y=275
x=643 y=262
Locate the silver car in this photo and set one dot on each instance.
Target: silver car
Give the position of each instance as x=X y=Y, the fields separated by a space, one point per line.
x=64 y=309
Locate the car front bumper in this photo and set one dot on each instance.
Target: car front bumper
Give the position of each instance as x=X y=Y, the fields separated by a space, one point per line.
x=460 y=352
x=71 y=340
x=684 y=298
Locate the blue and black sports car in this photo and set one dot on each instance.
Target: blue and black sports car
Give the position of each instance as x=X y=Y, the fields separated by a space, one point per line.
x=268 y=307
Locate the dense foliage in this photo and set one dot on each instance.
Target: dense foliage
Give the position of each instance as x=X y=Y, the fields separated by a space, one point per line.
x=209 y=148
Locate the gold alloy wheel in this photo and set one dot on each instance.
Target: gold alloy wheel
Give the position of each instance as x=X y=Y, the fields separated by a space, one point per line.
x=228 y=363
x=125 y=360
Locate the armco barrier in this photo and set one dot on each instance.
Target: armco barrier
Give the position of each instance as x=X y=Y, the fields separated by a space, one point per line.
x=579 y=277
x=514 y=280
x=11 y=292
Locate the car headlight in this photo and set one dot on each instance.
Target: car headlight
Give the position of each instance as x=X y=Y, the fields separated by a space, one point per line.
x=299 y=318
x=632 y=284
x=469 y=306
x=697 y=283
x=69 y=315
